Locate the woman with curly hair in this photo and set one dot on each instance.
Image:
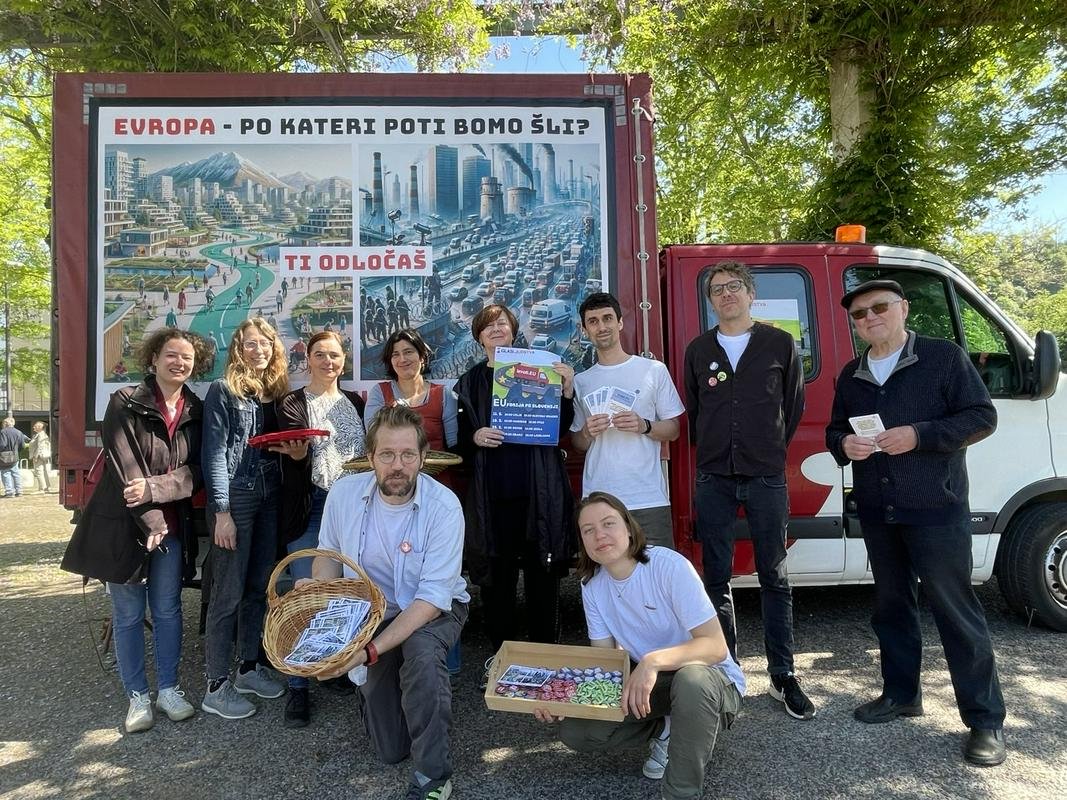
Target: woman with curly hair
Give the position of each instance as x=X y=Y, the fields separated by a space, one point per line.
x=137 y=525
x=243 y=484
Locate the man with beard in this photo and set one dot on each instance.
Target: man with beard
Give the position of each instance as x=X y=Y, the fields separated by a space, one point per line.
x=406 y=530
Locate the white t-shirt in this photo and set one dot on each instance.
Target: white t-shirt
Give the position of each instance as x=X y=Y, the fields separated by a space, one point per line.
x=882 y=368
x=734 y=345
x=656 y=607
x=387 y=527
x=625 y=464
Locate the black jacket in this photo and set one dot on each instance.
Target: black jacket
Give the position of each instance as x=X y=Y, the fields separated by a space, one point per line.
x=108 y=542
x=294 y=503
x=935 y=389
x=742 y=422
x=550 y=520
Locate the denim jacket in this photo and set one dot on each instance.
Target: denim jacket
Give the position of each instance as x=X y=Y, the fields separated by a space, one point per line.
x=227 y=459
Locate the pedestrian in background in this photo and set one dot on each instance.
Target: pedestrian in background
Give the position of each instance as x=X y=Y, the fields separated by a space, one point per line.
x=41 y=457
x=12 y=440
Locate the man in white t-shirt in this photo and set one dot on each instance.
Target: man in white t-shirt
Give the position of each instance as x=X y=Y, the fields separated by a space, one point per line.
x=406 y=530
x=622 y=446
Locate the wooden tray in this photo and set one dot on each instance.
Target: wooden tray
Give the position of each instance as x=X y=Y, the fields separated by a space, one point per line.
x=554 y=656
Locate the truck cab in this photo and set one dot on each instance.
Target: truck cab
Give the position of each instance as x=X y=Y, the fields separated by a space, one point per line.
x=1018 y=476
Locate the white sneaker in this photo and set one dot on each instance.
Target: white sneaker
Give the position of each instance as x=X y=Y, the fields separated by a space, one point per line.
x=656 y=764
x=172 y=702
x=139 y=717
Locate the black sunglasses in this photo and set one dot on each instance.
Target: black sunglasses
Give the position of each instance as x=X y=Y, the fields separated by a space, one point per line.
x=877 y=308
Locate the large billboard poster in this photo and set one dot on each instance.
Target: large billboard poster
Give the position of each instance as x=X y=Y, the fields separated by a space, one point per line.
x=358 y=219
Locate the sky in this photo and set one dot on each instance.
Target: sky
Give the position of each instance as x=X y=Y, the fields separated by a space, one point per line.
x=528 y=54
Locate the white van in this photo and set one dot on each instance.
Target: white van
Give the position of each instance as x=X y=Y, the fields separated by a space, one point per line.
x=548 y=314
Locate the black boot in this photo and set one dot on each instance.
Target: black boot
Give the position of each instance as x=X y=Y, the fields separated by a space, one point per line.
x=297 y=708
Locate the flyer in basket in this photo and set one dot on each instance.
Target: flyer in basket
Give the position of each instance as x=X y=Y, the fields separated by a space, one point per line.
x=526 y=396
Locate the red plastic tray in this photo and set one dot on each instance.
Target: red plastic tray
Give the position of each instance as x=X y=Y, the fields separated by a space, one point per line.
x=294 y=435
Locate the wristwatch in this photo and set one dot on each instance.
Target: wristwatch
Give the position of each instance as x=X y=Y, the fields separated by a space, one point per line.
x=648 y=427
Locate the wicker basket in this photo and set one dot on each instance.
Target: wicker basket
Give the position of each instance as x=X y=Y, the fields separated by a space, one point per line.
x=289 y=616
x=436 y=461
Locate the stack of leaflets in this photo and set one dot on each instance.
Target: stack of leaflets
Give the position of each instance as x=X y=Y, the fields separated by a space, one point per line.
x=609 y=400
x=517 y=675
x=329 y=631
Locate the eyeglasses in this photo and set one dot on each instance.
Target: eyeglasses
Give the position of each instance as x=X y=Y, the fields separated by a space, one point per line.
x=257 y=345
x=877 y=308
x=407 y=457
x=715 y=289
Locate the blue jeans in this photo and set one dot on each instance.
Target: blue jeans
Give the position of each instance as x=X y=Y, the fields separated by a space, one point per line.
x=12 y=478
x=766 y=503
x=163 y=591
x=301 y=568
x=939 y=556
x=238 y=601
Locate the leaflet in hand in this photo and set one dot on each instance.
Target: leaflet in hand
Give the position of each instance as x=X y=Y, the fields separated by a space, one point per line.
x=609 y=400
x=329 y=631
x=526 y=394
x=868 y=426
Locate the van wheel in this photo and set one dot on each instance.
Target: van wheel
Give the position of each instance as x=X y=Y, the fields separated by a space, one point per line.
x=1032 y=565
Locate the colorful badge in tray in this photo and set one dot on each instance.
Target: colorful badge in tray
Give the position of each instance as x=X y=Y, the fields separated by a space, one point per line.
x=591 y=686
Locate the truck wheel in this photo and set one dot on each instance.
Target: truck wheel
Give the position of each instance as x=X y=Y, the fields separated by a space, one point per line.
x=1032 y=565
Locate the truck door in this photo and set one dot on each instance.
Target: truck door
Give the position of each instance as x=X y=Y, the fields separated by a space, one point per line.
x=944 y=304
x=792 y=292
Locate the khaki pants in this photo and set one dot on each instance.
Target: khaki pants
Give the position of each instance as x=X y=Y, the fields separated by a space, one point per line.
x=700 y=700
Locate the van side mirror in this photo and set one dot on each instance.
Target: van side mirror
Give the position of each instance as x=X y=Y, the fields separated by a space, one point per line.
x=1046 y=366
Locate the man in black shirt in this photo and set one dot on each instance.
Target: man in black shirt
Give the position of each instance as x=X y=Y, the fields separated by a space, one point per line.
x=910 y=486
x=744 y=387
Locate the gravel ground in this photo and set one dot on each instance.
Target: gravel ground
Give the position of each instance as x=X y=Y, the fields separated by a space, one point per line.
x=61 y=733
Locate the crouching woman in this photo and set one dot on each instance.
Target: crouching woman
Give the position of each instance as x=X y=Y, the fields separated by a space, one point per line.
x=649 y=601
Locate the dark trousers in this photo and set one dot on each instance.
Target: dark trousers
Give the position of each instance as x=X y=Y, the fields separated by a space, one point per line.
x=540 y=585
x=766 y=503
x=407 y=699
x=939 y=556
x=701 y=702
x=238 y=601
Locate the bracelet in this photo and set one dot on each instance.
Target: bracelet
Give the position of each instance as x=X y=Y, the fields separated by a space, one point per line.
x=648 y=427
x=372 y=654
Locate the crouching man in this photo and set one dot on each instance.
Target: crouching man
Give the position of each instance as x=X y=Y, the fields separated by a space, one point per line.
x=406 y=530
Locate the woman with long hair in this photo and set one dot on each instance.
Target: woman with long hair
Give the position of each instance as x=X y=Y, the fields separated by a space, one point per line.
x=519 y=502
x=137 y=528
x=650 y=602
x=311 y=468
x=243 y=484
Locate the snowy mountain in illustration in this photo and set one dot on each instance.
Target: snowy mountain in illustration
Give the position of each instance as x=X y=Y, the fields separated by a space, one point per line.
x=300 y=180
x=229 y=170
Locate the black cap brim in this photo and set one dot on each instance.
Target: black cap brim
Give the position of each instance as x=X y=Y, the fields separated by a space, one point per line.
x=871 y=286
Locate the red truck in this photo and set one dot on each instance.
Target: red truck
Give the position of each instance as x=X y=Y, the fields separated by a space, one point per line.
x=166 y=184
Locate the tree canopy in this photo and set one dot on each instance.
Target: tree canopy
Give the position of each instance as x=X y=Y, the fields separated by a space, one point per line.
x=242 y=36
x=783 y=117
x=25 y=113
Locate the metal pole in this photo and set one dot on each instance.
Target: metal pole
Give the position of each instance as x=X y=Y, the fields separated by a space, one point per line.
x=7 y=339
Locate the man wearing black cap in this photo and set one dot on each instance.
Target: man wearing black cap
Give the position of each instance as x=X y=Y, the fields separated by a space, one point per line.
x=918 y=403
